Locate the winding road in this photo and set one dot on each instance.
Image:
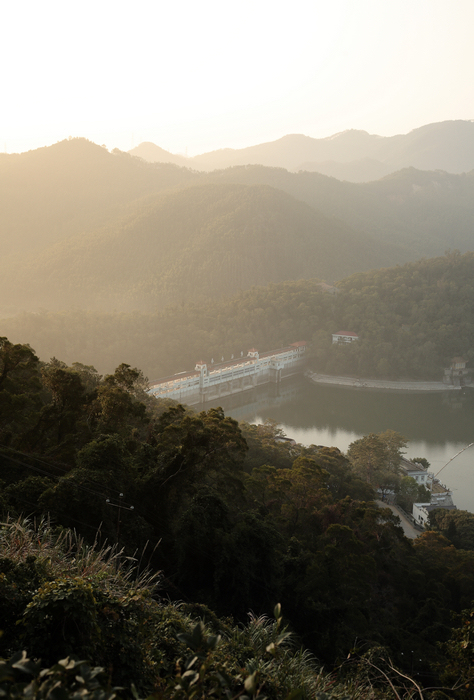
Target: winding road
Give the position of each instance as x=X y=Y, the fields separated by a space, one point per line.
x=410 y=531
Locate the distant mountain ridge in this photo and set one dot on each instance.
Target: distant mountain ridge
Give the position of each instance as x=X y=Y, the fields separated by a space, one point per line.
x=84 y=228
x=352 y=155
x=155 y=154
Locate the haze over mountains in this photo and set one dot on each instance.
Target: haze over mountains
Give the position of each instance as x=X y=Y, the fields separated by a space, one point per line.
x=192 y=244
x=83 y=228
x=351 y=155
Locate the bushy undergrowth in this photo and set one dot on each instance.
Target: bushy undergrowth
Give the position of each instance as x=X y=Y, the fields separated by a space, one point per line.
x=62 y=599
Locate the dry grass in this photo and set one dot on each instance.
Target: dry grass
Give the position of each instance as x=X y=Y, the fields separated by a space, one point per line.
x=65 y=553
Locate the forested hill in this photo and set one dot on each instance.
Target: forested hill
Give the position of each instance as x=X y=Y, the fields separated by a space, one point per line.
x=85 y=228
x=190 y=244
x=124 y=491
x=52 y=193
x=65 y=205
x=411 y=319
x=422 y=212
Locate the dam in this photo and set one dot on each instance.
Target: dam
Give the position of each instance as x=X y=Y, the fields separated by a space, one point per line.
x=209 y=382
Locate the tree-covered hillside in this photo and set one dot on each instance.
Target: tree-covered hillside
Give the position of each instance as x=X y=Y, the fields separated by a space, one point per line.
x=421 y=213
x=411 y=319
x=173 y=340
x=54 y=192
x=229 y=520
x=198 y=243
x=84 y=228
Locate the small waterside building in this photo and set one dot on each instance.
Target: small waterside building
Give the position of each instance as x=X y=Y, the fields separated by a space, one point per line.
x=441 y=497
x=457 y=373
x=415 y=471
x=421 y=511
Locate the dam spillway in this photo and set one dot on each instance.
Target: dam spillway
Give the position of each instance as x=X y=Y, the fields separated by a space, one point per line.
x=208 y=382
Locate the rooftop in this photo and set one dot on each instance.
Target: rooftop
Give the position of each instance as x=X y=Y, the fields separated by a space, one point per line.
x=408 y=466
x=438 y=488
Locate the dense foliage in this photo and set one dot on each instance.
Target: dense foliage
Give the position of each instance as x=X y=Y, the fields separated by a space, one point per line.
x=234 y=520
x=63 y=594
x=61 y=597
x=411 y=320
x=456 y=525
x=417 y=212
x=193 y=244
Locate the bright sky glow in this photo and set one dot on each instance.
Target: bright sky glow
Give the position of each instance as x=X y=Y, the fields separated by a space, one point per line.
x=201 y=76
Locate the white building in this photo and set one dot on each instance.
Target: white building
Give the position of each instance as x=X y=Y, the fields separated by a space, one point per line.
x=440 y=495
x=344 y=337
x=421 y=511
x=416 y=471
x=457 y=374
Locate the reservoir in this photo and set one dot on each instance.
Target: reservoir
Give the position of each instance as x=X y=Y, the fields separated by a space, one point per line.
x=437 y=425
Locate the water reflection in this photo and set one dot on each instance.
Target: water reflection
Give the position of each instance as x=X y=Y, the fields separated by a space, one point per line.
x=437 y=425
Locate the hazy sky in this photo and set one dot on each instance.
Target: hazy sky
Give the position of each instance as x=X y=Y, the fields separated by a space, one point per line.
x=196 y=76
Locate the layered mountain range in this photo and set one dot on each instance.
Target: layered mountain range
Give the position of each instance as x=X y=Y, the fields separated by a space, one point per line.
x=352 y=155
x=83 y=228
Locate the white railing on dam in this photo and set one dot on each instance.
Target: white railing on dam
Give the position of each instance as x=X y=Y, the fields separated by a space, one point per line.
x=196 y=385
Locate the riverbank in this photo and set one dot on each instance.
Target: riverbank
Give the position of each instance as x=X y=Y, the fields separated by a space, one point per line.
x=385 y=384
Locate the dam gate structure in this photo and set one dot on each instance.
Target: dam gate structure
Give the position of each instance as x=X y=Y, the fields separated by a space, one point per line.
x=209 y=382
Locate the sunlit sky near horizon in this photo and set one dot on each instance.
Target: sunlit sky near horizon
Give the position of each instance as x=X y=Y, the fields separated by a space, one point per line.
x=194 y=77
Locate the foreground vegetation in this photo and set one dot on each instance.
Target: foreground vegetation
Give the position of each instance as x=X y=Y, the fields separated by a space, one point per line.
x=218 y=515
x=66 y=598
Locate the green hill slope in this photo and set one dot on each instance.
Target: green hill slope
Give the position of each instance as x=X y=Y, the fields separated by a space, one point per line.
x=411 y=320
x=197 y=243
x=425 y=213
x=85 y=228
x=57 y=191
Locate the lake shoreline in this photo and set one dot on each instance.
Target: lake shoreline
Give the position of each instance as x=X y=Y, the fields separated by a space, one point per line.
x=378 y=384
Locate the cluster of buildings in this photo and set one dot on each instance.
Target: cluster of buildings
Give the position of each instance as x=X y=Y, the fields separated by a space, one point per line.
x=440 y=495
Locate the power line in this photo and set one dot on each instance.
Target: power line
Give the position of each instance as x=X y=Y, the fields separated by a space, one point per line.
x=66 y=469
x=22 y=499
x=81 y=487
x=456 y=455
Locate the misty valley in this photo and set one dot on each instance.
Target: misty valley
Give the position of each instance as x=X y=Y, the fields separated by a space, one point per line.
x=250 y=546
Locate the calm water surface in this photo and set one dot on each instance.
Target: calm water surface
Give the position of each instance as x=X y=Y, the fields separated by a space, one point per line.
x=437 y=425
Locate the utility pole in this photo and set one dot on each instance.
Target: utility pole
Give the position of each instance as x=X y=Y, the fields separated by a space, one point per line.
x=120 y=506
